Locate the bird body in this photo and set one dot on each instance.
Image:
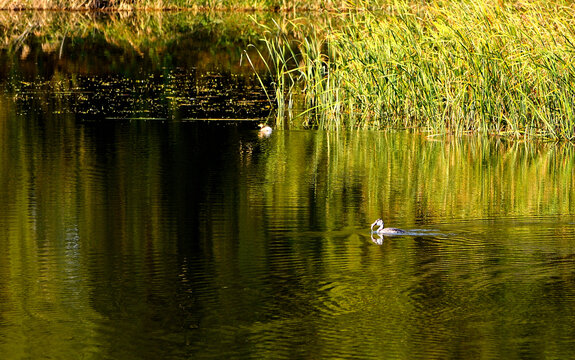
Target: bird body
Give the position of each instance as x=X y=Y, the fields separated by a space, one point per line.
x=265 y=130
x=385 y=231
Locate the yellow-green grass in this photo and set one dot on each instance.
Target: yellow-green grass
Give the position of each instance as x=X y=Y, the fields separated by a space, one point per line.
x=275 y=5
x=446 y=66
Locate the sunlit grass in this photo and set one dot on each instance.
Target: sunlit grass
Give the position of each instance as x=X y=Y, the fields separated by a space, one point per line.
x=26 y=35
x=274 y=5
x=448 y=66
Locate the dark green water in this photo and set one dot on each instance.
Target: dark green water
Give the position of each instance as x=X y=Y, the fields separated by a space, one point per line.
x=129 y=231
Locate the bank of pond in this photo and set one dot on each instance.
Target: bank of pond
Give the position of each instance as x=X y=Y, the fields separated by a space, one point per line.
x=443 y=67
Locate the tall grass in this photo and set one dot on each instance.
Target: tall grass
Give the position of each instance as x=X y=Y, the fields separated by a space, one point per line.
x=274 y=5
x=199 y=39
x=447 y=66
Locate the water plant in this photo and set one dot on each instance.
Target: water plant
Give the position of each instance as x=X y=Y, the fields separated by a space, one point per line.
x=441 y=67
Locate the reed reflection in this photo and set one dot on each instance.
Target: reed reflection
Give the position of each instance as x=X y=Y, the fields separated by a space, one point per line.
x=180 y=238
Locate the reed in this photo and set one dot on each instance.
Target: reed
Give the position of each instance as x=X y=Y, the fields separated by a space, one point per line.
x=444 y=67
x=127 y=5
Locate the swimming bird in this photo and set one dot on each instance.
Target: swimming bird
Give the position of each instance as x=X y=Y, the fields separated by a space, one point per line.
x=385 y=231
x=265 y=130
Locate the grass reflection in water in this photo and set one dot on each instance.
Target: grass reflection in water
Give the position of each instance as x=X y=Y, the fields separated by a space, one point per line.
x=190 y=239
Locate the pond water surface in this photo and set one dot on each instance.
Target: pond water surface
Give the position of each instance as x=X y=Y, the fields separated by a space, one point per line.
x=135 y=226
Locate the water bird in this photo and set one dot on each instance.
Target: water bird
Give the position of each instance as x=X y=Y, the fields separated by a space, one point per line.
x=385 y=231
x=265 y=130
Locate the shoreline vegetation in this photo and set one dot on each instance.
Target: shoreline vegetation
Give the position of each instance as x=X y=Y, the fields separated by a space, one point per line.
x=443 y=67
x=496 y=67
x=181 y=5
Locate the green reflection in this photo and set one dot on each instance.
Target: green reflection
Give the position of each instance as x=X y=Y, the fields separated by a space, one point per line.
x=183 y=240
x=420 y=179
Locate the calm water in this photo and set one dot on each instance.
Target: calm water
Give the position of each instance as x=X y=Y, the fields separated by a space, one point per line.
x=129 y=230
